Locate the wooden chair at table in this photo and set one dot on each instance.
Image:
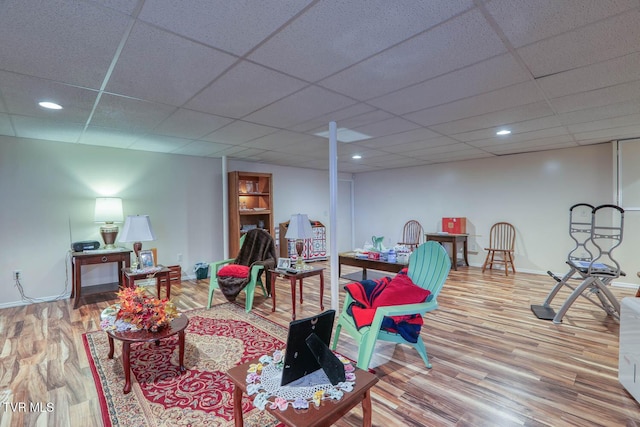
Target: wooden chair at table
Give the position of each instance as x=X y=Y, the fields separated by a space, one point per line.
x=429 y=267
x=411 y=234
x=502 y=239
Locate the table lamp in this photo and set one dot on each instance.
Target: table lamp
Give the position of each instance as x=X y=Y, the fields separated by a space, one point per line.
x=299 y=229
x=108 y=210
x=137 y=229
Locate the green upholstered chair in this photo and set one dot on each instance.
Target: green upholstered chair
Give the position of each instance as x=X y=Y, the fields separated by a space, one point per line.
x=429 y=267
x=254 y=279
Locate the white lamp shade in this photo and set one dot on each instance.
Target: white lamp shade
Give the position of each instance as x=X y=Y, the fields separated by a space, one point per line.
x=108 y=209
x=299 y=227
x=137 y=228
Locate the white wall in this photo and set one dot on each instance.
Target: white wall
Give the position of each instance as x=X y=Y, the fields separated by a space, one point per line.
x=532 y=191
x=48 y=191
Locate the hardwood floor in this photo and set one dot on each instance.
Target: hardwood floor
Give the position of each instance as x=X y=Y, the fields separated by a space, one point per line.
x=494 y=362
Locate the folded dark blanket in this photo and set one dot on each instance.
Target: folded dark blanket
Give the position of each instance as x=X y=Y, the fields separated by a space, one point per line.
x=371 y=294
x=258 y=249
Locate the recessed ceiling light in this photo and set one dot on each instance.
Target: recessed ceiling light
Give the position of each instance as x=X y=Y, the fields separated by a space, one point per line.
x=345 y=135
x=356 y=156
x=503 y=132
x=50 y=105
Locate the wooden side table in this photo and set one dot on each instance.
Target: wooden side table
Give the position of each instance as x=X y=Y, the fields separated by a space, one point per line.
x=78 y=259
x=177 y=326
x=323 y=416
x=454 y=239
x=162 y=275
x=293 y=277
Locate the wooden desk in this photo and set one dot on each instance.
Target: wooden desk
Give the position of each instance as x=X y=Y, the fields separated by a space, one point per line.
x=162 y=275
x=293 y=277
x=324 y=416
x=177 y=326
x=78 y=259
x=454 y=239
x=349 y=258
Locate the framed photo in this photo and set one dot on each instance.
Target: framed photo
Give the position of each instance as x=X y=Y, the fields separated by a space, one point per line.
x=284 y=263
x=146 y=259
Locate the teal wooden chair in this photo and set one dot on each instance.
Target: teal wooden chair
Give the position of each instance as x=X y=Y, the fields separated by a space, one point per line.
x=429 y=267
x=249 y=290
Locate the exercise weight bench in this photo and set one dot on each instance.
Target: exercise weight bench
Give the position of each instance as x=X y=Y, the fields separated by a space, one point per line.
x=596 y=232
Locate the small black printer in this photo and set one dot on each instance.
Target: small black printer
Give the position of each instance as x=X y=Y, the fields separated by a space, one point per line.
x=86 y=245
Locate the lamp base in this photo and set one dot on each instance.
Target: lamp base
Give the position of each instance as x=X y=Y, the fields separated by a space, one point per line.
x=299 y=259
x=109 y=232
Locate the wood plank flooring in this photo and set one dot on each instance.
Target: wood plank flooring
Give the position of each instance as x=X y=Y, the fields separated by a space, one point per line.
x=494 y=362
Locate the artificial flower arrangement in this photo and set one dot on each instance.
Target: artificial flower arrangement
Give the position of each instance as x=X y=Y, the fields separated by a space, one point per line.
x=137 y=310
x=263 y=381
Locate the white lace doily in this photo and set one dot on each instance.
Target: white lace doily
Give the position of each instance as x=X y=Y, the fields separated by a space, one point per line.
x=264 y=379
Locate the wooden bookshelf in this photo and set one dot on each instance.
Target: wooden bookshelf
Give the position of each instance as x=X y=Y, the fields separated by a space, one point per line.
x=250 y=205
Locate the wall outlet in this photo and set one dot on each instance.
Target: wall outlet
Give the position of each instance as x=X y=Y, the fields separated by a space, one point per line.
x=179 y=257
x=17 y=274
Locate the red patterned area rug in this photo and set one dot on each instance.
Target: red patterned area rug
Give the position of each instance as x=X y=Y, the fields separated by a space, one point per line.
x=216 y=340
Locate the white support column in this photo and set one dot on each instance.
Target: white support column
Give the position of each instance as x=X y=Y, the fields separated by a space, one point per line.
x=225 y=209
x=333 y=217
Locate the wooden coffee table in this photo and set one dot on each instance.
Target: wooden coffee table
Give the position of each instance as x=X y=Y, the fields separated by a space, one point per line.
x=293 y=277
x=323 y=416
x=350 y=258
x=177 y=326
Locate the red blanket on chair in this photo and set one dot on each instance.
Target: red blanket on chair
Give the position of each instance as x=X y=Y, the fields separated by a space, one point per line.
x=370 y=294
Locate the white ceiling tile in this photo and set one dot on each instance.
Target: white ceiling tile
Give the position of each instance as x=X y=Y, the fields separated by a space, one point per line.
x=234 y=150
x=420 y=145
x=129 y=114
x=612 y=123
x=516 y=128
x=200 y=148
x=321 y=123
x=22 y=94
x=611 y=134
x=334 y=34
x=159 y=143
x=278 y=140
x=387 y=127
x=235 y=26
x=420 y=58
x=522 y=147
x=62 y=40
x=484 y=76
x=600 y=113
x=607 y=39
x=190 y=124
x=481 y=105
x=525 y=21
x=299 y=107
x=239 y=132
x=48 y=129
x=108 y=137
x=384 y=142
x=597 y=98
x=244 y=89
x=524 y=139
x=186 y=66
x=601 y=75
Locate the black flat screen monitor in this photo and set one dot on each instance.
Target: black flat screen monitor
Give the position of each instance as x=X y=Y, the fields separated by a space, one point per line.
x=299 y=359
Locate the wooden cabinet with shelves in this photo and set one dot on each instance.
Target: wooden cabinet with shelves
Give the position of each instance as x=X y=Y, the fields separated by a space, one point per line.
x=250 y=205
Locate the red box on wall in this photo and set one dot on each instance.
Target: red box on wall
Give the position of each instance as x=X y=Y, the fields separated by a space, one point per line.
x=454 y=225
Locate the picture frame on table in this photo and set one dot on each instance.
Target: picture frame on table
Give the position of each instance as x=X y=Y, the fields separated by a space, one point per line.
x=284 y=263
x=146 y=259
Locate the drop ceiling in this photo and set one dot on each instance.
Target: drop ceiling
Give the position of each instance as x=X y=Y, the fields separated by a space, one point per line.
x=255 y=80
